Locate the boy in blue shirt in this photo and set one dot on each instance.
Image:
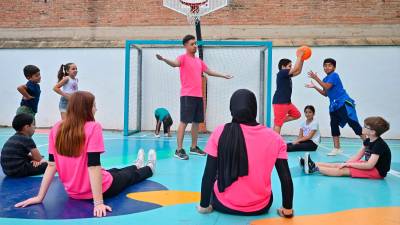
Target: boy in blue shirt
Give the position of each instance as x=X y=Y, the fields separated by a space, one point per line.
x=163 y=117
x=341 y=108
x=30 y=91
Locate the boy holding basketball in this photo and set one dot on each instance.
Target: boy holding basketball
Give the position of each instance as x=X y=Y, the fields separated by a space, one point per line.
x=341 y=108
x=192 y=111
x=284 y=110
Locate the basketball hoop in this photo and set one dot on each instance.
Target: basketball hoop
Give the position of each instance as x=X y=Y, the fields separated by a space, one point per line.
x=193 y=16
x=194 y=9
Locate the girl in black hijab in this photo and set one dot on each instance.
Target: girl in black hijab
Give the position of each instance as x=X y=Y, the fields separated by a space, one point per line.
x=232 y=162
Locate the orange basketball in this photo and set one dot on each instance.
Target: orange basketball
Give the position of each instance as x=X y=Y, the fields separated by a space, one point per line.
x=307 y=52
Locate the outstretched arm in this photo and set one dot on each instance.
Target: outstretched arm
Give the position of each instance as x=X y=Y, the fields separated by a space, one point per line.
x=173 y=63
x=314 y=76
x=217 y=74
x=44 y=186
x=321 y=91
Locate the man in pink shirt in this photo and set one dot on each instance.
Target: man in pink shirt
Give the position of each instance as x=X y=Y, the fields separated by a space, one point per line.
x=191 y=70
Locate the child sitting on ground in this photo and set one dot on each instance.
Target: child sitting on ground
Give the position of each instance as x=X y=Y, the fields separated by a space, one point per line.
x=19 y=156
x=376 y=152
x=309 y=136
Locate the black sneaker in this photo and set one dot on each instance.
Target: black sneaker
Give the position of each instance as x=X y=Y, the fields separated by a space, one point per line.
x=197 y=151
x=301 y=161
x=309 y=165
x=181 y=154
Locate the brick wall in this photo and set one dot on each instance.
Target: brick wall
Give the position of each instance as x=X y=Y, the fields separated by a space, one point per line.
x=120 y=13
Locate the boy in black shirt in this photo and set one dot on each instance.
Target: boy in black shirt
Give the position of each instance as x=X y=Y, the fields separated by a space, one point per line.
x=376 y=153
x=19 y=156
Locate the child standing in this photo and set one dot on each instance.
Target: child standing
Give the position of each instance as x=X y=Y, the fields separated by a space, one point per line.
x=69 y=83
x=30 y=91
x=309 y=136
x=375 y=151
x=19 y=156
x=163 y=117
x=284 y=110
x=341 y=108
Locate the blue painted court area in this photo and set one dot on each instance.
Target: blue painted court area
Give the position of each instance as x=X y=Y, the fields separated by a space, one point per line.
x=314 y=195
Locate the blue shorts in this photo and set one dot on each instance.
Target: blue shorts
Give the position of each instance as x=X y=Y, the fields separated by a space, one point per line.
x=63 y=104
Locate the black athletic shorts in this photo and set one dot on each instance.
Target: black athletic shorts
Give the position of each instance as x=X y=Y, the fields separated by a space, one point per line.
x=192 y=109
x=341 y=115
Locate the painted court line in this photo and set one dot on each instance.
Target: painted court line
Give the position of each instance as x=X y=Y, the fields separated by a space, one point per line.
x=151 y=139
x=391 y=172
x=43 y=145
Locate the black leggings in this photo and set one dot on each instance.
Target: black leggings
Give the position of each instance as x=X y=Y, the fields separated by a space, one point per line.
x=302 y=146
x=218 y=206
x=125 y=177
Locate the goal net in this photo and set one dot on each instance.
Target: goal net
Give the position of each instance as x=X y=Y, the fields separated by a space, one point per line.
x=151 y=84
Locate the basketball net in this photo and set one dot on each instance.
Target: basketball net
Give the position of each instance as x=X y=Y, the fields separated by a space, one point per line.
x=193 y=16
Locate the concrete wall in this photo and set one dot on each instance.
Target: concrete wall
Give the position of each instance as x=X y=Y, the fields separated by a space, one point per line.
x=120 y=13
x=100 y=71
x=104 y=23
x=369 y=74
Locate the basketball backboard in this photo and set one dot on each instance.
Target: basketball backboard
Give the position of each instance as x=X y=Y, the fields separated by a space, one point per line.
x=195 y=8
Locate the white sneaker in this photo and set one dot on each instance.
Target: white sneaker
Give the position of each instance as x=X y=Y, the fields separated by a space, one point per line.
x=139 y=163
x=151 y=160
x=166 y=135
x=157 y=135
x=335 y=152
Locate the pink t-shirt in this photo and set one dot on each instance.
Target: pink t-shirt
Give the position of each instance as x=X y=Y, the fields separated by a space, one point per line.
x=252 y=192
x=191 y=70
x=73 y=171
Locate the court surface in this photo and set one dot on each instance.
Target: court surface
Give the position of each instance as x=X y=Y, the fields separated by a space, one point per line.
x=171 y=195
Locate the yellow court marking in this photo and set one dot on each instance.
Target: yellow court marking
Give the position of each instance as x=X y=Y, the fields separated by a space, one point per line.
x=365 y=216
x=166 y=197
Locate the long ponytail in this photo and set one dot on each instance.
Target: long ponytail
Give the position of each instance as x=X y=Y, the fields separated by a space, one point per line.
x=61 y=74
x=63 y=71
